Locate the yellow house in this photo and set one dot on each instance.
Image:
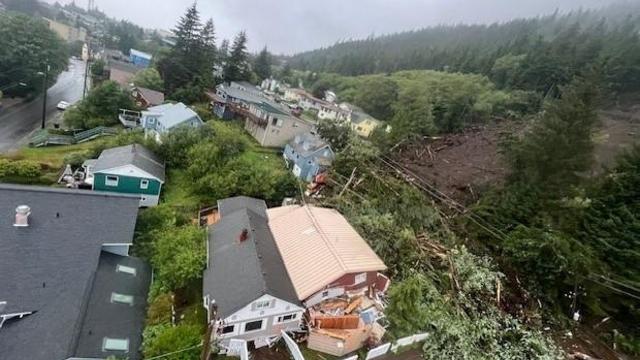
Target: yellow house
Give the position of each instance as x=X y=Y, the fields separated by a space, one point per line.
x=364 y=124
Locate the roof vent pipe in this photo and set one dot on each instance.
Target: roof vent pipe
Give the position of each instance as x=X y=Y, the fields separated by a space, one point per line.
x=22 y=216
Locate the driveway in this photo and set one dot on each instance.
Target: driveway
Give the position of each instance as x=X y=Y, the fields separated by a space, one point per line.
x=19 y=121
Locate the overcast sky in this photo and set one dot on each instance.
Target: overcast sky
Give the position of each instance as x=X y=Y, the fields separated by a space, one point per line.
x=288 y=26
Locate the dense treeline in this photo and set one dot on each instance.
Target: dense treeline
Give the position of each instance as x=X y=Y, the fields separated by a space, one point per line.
x=564 y=231
x=27 y=46
x=424 y=102
x=529 y=54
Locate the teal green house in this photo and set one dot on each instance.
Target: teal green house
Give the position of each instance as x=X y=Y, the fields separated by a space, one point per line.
x=131 y=169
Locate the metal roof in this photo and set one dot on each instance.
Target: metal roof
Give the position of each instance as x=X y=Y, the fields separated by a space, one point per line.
x=171 y=115
x=138 y=53
x=319 y=246
x=49 y=266
x=135 y=155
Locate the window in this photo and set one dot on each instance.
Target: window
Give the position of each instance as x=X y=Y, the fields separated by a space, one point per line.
x=262 y=304
x=253 y=326
x=229 y=329
x=111 y=180
x=325 y=294
x=274 y=121
x=144 y=184
x=286 y=318
x=109 y=344
x=360 y=278
x=126 y=269
x=122 y=299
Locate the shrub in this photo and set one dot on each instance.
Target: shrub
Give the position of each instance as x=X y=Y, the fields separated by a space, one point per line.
x=179 y=256
x=23 y=169
x=162 y=339
x=159 y=311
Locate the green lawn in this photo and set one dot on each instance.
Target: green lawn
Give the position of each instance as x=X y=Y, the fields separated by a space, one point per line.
x=51 y=156
x=177 y=190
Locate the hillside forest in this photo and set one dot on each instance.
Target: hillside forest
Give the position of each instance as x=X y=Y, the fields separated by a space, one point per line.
x=537 y=263
x=561 y=227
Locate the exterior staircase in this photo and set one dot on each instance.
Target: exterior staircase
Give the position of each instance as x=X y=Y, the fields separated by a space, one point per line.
x=45 y=138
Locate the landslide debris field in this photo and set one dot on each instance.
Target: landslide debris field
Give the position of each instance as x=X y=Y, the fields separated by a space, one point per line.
x=463 y=165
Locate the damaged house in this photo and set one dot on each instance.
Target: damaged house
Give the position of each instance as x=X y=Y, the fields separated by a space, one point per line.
x=268 y=265
x=247 y=291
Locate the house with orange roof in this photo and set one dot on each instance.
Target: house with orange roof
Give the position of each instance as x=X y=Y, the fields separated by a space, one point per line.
x=324 y=255
x=265 y=267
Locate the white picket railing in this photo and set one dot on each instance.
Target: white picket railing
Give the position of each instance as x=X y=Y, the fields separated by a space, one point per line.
x=372 y=354
x=378 y=351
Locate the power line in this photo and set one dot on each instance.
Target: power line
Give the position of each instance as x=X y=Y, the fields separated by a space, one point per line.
x=444 y=198
x=174 y=352
x=619 y=283
x=490 y=228
x=620 y=291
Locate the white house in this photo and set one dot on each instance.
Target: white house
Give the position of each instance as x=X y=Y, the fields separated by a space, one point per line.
x=247 y=291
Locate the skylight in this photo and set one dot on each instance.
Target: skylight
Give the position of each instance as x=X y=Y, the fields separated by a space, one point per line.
x=126 y=269
x=110 y=344
x=121 y=298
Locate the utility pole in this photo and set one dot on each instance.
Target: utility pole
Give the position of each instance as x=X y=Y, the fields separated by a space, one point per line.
x=86 y=75
x=86 y=68
x=44 y=98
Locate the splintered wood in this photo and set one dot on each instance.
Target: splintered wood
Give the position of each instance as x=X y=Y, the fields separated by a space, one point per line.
x=337 y=322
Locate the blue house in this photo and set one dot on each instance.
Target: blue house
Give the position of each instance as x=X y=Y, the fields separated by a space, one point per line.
x=308 y=155
x=140 y=58
x=159 y=120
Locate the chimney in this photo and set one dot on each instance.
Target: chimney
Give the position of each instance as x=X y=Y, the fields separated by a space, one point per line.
x=22 y=216
x=244 y=235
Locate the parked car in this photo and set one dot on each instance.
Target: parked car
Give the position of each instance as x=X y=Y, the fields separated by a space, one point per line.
x=62 y=105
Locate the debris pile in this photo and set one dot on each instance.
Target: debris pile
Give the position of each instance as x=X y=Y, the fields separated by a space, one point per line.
x=345 y=324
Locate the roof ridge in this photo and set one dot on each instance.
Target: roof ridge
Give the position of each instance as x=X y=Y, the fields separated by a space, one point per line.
x=248 y=212
x=324 y=237
x=18 y=187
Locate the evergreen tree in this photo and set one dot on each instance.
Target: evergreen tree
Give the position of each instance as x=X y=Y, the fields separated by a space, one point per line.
x=558 y=150
x=262 y=66
x=188 y=31
x=223 y=52
x=190 y=63
x=208 y=51
x=237 y=66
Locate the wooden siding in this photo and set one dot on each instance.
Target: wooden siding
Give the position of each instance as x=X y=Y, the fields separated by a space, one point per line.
x=126 y=185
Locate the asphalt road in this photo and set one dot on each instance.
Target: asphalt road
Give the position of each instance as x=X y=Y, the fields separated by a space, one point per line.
x=19 y=121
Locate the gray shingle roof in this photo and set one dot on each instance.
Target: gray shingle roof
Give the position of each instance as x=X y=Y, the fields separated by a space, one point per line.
x=231 y=205
x=105 y=318
x=136 y=155
x=239 y=272
x=48 y=267
x=307 y=144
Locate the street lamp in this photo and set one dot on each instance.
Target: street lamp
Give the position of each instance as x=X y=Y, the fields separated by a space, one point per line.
x=45 y=76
